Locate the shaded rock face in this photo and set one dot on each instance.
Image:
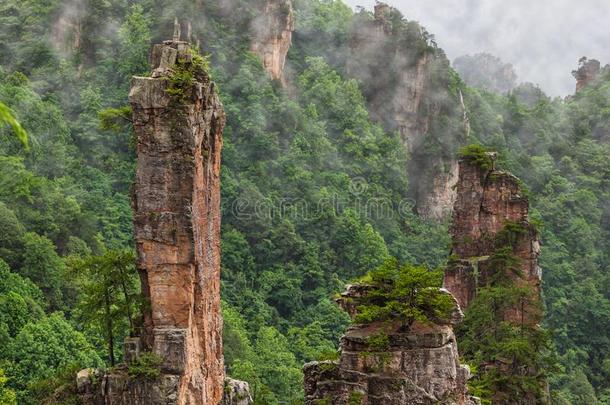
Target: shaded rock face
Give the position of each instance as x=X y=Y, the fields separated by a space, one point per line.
x=417 y=366
x=67 y=28
x=405 y=95
x=272 y=35
x=488 y=201
x=587 y=72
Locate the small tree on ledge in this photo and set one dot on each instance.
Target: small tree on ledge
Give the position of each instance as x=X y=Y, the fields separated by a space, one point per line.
x=403 y=292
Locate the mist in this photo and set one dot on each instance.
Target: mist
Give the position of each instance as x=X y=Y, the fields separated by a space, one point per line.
x=543 y=39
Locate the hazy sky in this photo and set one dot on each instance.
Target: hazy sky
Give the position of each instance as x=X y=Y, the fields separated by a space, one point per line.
x=543 y=39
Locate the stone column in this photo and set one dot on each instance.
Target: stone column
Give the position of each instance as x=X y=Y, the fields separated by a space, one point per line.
x=178 y=126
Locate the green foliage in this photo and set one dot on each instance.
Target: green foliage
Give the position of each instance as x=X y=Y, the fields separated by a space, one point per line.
x=477 y=155
x=7 y=396
x=107 y=296
x=355 y=398
x=186 y=72
x=42 y=348
x=135 y=39
x=42 y=265
x=279 y=369
x=7 y=118
x=147 y=366
x=379 y=342
x=72 y=187
x=406 y=293
x=60 y=388
x=115 y=119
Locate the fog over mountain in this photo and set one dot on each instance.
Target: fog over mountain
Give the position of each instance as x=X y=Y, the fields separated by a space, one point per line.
x=543 y=39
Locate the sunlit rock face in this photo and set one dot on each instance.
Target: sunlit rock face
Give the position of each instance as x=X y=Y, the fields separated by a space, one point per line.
x=419 y=365
x=272 y=35
x=487 y=201
x=405 y=93
x=176 y=203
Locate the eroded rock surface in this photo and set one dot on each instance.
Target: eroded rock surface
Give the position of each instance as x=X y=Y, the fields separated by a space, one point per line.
x=177 y=223
x=489 y=204
x=417 y=366
x=176 y=202
x=272 y=35
x=587 y=72
x=405 y=93
x=236 y=393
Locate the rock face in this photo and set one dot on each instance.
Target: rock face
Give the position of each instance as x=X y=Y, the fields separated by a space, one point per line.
x=489 y=204
x=177 y=223
x=176 y=202
x=405 y=93
x=236 y=393
x=418 y=366
x=272 y=35
x=587 y=72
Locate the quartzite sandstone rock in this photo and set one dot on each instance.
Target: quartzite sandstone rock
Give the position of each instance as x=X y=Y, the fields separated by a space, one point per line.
x=176 y=202
x=487 y=201
x=236 y=393
x=418 y=366
x=587 y=73
x=177 y=223
x=272 y=35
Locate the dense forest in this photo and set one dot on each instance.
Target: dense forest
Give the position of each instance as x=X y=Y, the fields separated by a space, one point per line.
x=299 y=160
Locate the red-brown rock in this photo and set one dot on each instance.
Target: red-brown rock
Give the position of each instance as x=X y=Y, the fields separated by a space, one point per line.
x=488 y=201
x=176 y=203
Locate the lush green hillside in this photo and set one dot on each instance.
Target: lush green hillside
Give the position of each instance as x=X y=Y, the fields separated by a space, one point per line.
x=299 y=166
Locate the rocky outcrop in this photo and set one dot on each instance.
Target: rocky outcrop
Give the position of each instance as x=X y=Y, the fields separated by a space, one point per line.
x=406 y=84
x=236 y=393
x=587 y=72
x=415 y=366
x=491 y=212
x=176 y=200
x=272 y=35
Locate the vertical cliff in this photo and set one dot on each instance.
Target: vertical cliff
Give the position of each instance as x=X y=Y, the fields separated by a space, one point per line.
x=388 y=363
x=490 y=214
x=178 y=122
x=587 y=72
x=272 y=35
x=407 y=82
x=493 y=272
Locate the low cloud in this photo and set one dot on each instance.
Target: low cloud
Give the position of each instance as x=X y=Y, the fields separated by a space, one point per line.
x=543 y=39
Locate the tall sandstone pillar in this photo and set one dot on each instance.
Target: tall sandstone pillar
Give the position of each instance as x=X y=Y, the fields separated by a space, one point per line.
x=271 y=33
x=176 y=200
x=178 y=121
x=493 y=272
x=489 y=204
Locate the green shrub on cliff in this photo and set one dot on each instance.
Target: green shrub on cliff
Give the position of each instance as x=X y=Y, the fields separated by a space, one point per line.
x=404 y=293
x=477 y=155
